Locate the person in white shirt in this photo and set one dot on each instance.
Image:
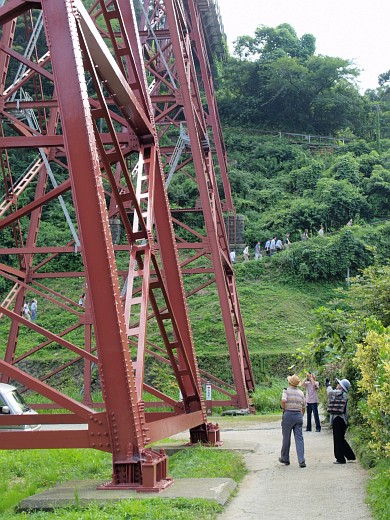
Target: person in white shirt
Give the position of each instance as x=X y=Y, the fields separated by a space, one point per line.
x=233 y=256
x=257 y=251
x=272 y=246
x=34 y=307
x=26 y=311
x=246 y=253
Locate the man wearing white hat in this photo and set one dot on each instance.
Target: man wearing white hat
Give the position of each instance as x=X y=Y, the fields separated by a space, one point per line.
x=293 y=405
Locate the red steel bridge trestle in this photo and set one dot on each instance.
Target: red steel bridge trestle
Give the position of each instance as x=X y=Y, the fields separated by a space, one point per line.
x=105 y=116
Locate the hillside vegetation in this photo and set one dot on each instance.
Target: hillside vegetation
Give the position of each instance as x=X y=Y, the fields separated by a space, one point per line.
x=276 y=83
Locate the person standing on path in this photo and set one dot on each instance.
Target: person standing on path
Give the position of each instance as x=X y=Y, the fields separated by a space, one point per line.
x=33 y=310
x=339 y=421
x=246 y=253
x=26 y=311
x=293 y=405
x=272 y=246
x=312 y=386
x=305 y=235
x=257 y=251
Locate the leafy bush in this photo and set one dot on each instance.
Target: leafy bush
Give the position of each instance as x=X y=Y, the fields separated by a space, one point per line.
x=373 y=361
x=370 y=293
x=266 y=399
x=379 y=490
x=326 y=258
x=351 y=341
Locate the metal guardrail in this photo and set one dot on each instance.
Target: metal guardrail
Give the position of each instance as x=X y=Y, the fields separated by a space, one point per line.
x=213 y=26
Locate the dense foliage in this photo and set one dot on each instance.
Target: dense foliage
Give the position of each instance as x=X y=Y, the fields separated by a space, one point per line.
x=284 y=187
x=277 y=81
x=352 y=340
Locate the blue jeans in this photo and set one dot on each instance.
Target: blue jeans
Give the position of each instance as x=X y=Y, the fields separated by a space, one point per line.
x=292 y=422
x=312 y=407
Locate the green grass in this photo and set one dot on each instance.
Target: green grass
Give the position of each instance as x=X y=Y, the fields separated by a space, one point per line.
x=213 y=463
x=276 y=313
x=266 y=399
x=145 y=509
x=24 y=473
x=378 y=490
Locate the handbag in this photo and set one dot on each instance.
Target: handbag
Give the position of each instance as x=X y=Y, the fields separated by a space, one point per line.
x=337 y=404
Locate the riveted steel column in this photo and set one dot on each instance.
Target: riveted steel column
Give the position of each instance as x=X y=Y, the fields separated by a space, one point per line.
x=123 y=415
x=206 y=184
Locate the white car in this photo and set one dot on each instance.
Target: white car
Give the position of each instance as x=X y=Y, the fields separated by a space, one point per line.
x=11 y=402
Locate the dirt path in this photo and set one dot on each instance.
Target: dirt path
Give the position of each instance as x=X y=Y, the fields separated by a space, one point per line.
x=274 y=491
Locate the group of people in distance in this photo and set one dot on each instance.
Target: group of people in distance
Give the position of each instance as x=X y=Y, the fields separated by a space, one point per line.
x=30 y=310
x=294 y=403
x=275 y=244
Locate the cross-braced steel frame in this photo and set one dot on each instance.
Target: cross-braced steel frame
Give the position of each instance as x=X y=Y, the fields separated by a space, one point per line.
x=174 y=37
x=80 y=137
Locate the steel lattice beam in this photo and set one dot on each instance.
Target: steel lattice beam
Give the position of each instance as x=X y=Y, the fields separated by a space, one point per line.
x=173 y=40
x=92 y=118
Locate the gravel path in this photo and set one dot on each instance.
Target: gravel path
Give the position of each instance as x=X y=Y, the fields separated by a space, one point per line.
x=274 y=491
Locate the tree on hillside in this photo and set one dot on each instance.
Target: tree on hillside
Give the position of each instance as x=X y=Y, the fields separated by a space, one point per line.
x=340 y=200
x=270 y=43
x=278 y=81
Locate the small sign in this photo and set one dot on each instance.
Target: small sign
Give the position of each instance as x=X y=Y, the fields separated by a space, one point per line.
x=208 y=391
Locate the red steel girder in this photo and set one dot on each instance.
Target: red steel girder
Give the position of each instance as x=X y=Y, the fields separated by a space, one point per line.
x=112 y=320
x=161 y=63
x=172 y=38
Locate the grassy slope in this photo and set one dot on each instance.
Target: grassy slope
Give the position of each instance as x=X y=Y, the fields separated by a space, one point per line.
x=277 y=314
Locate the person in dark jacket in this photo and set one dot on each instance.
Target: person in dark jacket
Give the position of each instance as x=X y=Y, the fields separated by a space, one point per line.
x=339 y=422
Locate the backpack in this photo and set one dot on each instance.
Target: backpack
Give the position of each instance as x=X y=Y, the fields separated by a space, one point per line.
x=337 y=404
